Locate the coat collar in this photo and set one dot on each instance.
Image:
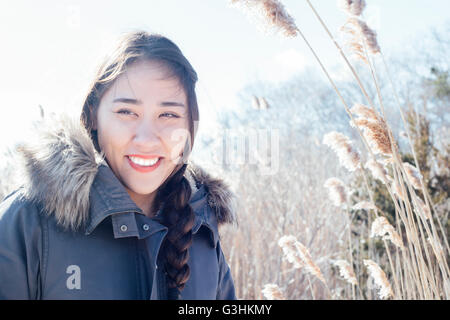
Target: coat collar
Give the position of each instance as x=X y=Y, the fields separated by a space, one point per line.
x=61 y=170
x=109 y=198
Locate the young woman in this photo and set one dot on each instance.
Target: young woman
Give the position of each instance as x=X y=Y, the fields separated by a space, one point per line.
x=110 y=206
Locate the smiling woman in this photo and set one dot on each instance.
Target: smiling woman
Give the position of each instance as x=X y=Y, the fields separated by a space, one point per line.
x=137 y=135
x=110 y=207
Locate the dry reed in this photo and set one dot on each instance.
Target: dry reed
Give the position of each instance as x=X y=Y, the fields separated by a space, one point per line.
x=352 y=7
x=413 y=175
x=270 y=13
x=378 y=275
x=272 y=292
x=346 y=271
x=382 y=228
x=337 y=191
x=348 y=155
x=415 y=273
x=364 y=205
x=378 y=171
x=299 y=255
x=376 y=134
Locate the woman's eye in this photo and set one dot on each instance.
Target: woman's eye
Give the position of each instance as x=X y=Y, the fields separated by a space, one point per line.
x=124 y=111
x=166 y=114
x=170 y=115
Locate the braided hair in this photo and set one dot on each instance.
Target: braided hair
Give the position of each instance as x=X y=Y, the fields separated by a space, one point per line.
x=179 y=218
x=175 y=192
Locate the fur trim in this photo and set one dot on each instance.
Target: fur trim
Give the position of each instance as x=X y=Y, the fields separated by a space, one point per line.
x=59 y=166
x=220 y=196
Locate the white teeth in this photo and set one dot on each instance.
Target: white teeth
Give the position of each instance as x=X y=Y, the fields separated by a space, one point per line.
x=144 y=162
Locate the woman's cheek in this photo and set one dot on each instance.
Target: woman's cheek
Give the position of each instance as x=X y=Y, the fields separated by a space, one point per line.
x=175 y=140
x=114 y=134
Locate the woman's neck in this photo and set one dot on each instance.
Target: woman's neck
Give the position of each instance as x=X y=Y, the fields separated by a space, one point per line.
x=144 y=201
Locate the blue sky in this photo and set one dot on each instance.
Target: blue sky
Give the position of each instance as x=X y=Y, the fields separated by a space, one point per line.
x=50 y=49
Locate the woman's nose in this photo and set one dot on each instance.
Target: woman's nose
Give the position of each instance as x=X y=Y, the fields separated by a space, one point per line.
x=146 y=134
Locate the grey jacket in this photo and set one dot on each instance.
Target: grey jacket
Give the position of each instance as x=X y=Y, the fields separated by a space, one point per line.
x=71 y=231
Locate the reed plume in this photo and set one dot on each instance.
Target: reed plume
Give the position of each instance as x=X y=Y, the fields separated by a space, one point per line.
x=374 y=128
x=255 y=102
x=346 y=271
x=353 y=43
x=366 y=205
x=385 y=290
x=271 y=13
x=361 y=33
x=336 y=191
x=378 y=171
x=352 y=7
x=287 y=243
x=348 y=156
x=376 y=134
x=382 y=228
x=272 y=292
x=299 y=255
x=413 y=175
x=364 y=112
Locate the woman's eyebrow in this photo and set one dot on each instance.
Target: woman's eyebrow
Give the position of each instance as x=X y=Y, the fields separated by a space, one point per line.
x=127 y=100
x=171 y=104
x=139 y=102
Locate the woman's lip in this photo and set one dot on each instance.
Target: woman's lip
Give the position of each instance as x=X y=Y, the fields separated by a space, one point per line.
x=142 y=168
x=144 y=156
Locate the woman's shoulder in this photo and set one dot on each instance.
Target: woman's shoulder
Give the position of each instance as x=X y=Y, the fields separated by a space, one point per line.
x=21 y=246
x=18 y=214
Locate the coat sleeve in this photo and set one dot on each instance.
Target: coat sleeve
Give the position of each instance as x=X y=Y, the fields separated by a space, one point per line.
x=225 y=289
x=20 y=243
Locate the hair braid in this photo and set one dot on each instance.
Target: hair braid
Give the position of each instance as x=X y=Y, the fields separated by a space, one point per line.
x=179 y=217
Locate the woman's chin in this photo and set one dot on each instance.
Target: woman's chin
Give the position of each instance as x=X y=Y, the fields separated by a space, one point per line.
x=142 y=190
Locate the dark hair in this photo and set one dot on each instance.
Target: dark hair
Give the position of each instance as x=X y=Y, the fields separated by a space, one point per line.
x=175 y=191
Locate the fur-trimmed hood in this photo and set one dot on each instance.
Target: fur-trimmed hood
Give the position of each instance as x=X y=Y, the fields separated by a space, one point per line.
x=59 y=165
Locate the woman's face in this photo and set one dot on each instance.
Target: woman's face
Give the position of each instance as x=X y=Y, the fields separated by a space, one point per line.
x=143 y=117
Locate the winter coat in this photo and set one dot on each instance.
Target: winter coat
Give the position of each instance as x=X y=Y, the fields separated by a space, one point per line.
x=71 y=231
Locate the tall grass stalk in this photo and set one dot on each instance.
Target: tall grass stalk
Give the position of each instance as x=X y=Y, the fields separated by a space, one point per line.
x=424 y=269
x=424 y=190
x=417 y=273
x=349 y=234
x=411 y=191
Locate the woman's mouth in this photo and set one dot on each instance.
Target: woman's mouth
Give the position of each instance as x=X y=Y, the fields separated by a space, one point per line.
x=144 y=164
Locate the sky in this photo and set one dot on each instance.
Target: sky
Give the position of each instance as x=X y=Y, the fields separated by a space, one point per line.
x=50 y=49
